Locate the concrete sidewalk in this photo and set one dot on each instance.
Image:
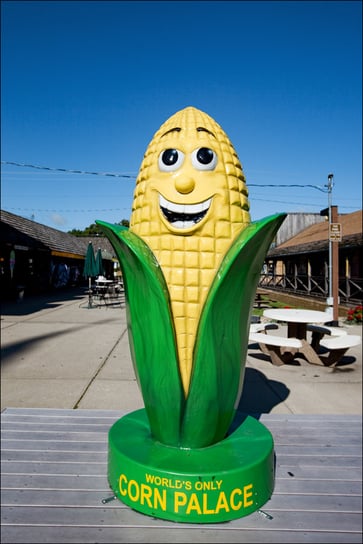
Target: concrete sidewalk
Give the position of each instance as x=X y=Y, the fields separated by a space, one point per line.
x=59 y=353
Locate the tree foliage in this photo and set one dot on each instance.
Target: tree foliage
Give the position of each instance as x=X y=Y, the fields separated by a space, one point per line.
x=94 y=230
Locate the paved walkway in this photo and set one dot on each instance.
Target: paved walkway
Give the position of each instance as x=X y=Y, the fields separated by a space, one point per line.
x=59 y=353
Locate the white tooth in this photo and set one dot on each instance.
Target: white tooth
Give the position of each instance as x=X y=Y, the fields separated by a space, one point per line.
x=178 y=208
x=198 y=208
x=192 y=208
x=170 y=205
x=162 y=201
x=206 y=204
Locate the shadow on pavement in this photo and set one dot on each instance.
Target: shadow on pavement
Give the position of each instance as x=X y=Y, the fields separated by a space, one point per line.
x=35 y=303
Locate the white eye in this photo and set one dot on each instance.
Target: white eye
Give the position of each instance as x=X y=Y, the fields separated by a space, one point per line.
x=204 y=159
x=170 y=159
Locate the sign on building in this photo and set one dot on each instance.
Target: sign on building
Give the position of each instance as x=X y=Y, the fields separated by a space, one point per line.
x=335 y=232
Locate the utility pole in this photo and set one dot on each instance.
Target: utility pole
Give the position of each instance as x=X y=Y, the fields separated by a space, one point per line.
x=333 y=269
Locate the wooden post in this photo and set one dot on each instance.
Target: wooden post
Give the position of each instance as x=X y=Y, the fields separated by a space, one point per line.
x=309 y=276
x=347 y=277
x=335 y=269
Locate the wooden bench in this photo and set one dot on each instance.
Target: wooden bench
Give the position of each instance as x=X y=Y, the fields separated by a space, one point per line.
x=258 y=301
x=338 y=346
x=319 y=331
x=283 y=350
x=324 y=329
x=258 y=327
x=274 y=346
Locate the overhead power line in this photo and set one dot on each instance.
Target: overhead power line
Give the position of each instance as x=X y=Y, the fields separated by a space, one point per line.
x=68 y=171
x=286 y=185
x=67 y=210
x=116 y=175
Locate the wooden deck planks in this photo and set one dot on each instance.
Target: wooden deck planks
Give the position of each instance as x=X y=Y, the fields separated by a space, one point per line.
x=54 y=477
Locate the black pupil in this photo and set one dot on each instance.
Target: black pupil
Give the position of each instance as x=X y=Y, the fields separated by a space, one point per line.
x=170 y=156
x=205 y=155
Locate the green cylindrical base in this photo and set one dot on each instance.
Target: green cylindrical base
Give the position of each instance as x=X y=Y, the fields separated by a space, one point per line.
x=225 y=481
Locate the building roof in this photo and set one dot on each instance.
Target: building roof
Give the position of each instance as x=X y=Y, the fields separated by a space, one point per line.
x=21 y=231
x=315 y=237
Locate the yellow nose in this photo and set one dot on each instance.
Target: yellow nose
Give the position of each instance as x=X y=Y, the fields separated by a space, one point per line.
x=184 y=185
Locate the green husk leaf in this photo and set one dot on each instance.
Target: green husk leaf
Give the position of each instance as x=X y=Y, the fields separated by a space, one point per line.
x=151 y=333
x=222 y=337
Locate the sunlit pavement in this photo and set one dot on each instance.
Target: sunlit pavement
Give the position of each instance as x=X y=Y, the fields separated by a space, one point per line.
x=57 y=352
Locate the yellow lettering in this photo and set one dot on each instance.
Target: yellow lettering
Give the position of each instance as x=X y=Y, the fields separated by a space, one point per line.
x=133 y=485
x=158 y=500
x=180 y=499
x=222 y=503
x=205 y=505
x=247 y=495
x=121 y=480
x=193 y=504
x=235 y=506
x=198 y=486
x=145 y=494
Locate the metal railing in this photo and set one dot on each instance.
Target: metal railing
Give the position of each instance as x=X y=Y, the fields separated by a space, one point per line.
x=350 y=289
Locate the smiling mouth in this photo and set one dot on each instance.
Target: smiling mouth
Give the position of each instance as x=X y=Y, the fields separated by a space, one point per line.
x=183 y=216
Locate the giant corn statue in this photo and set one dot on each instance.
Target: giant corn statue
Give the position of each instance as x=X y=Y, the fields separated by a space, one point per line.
x=190 y=204
x=191 y=260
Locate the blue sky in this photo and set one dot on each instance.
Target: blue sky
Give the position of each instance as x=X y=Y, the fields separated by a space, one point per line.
x=85 y=85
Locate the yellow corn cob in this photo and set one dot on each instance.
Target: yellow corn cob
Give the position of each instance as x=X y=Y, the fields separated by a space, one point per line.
x=189 y=255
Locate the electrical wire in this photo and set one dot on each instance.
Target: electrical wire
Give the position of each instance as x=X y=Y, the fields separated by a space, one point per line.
x=116 y=175
x=68 y=171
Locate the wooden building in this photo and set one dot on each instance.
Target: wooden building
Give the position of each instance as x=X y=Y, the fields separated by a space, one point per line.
x=300 y=264
x=35 y=258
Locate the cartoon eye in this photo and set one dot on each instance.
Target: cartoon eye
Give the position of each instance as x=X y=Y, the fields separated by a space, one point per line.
x=204 y=159
x=170 y=160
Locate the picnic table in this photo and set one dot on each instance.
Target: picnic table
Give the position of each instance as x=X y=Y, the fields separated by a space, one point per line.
x=297 y=319
x=283 y=350
x=55 y=489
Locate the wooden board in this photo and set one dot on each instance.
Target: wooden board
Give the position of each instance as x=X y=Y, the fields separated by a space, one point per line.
x=54 y=478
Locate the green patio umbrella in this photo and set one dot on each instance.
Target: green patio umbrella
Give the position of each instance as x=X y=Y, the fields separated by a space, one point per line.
x=99 y=263
x=89 y=270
